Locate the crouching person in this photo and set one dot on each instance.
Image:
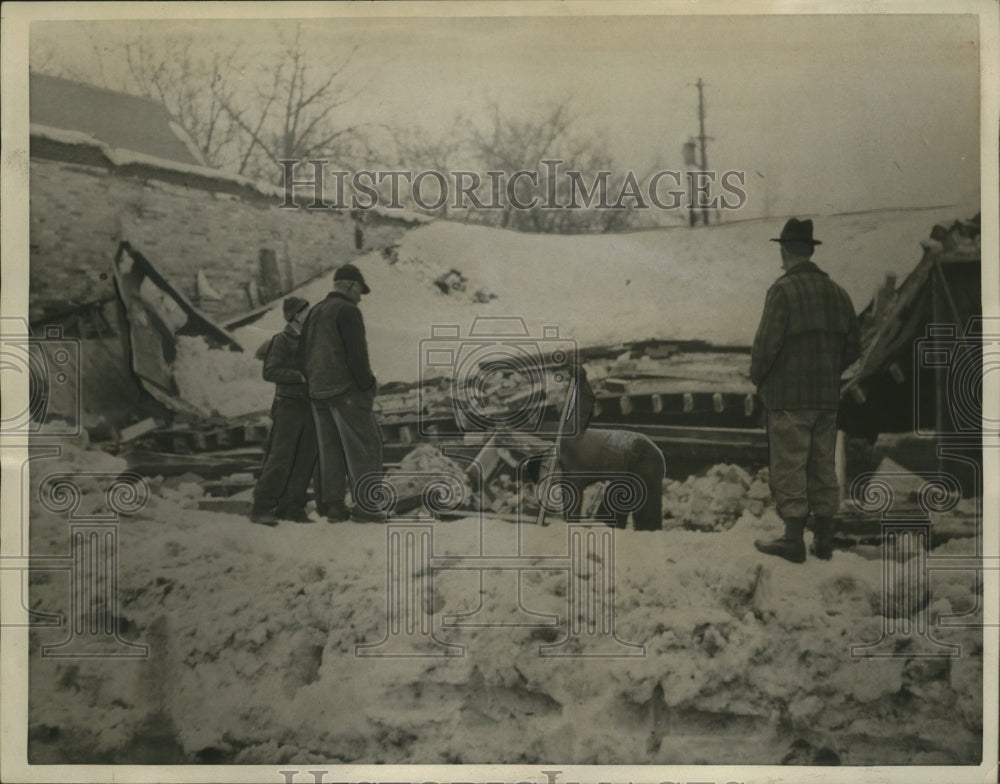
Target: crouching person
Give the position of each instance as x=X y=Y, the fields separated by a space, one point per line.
x=290 y=455
x=602 y=454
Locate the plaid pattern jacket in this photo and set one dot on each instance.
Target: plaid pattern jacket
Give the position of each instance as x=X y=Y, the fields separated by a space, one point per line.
x=808 y=335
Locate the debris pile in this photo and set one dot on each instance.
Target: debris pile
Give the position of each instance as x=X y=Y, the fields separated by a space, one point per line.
x=454 y=282
x=897 y=316
x=185 y=490
x=715 y=500
x=509 y=498
x=427 y=478
x=962 y=237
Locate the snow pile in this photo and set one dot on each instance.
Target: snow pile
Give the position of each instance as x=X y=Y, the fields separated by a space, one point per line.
x=671 y=284
x=715 y=500
x=252 y=635
x=220 y=381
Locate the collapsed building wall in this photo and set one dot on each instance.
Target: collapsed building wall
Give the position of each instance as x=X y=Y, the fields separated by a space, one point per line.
x=222 y=241
x=86 y=198
x=918 y=383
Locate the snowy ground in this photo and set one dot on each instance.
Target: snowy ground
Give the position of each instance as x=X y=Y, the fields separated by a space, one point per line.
x=252 y=634
x=252 y=631
x=706 y=284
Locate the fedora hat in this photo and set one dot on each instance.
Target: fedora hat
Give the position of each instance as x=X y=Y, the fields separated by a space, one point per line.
x=797 y=231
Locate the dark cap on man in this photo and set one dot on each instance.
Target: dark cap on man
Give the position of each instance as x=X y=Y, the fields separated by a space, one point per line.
x=292 y=306
x=797 y=232
x=350 y=272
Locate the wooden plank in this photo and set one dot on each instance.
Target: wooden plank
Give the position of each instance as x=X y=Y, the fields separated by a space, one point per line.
x=211 y=465
x=133 y=432
x=618 y=385
x=230 y=485
x=943 y=528
x=508 y=458
x=705 y=435
x=234 y=506
x=674 y=386
x=485 y=462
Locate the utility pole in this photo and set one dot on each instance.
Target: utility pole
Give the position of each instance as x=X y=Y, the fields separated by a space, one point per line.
x=701 y=137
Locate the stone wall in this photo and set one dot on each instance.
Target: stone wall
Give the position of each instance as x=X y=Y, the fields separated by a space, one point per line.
x=83 y=205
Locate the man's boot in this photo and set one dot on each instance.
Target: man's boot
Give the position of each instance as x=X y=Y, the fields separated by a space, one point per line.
x=822 y=544
x=791 y=546
x=361 y=516
x=336 y=513
x=263 y=516
x=297 y=514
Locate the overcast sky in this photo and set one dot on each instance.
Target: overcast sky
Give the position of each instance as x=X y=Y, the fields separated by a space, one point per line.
x=825 y=114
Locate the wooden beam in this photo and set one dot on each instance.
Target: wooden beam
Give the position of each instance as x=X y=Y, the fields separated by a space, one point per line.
x=508 y=458
x=614 y=384
x=947 y=291
x=840 y=463
x=132 y=432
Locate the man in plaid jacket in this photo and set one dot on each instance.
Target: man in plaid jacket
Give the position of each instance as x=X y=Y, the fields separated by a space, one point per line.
x=808 y=335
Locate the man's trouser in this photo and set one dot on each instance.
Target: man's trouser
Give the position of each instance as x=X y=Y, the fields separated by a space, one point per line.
x=802 y=464
x=350 y=446
x=289 y=457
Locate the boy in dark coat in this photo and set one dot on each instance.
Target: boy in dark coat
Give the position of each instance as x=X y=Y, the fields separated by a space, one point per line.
x=290 y=456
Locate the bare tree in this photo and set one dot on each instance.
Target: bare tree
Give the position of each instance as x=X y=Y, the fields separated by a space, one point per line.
x=292 y=114
x=195 y=88
x=242 y=113
x=418 y=150
x=45 y=58
x=548 y=144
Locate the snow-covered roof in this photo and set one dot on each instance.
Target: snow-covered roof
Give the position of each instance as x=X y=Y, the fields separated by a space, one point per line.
x=117 y=119
x=168 y=169
x=152 y=165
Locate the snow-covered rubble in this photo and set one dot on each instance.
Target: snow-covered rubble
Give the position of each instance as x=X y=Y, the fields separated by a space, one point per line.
x=220 y=381
x=715 y=500
x=424 y=469
x=671 y=284
x=252 y=633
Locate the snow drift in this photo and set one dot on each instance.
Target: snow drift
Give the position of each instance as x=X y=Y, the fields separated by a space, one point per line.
x=252 y=633
x=673 y=284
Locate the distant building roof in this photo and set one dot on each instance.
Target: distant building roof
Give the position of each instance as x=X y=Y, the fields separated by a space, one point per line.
x=117 y=119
